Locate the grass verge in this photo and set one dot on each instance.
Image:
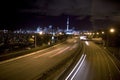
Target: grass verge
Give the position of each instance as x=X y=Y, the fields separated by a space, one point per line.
x=23 y=52
x=19 y=53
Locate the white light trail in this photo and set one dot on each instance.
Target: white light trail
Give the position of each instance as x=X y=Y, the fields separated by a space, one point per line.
x=60 y=52
x=87 y=43
x=48 y=53
x=79 y=62
x=78 y=67
x=9 y=60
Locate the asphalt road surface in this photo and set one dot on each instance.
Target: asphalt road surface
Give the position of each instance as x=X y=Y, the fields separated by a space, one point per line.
x=31 y=66
x=94 y=64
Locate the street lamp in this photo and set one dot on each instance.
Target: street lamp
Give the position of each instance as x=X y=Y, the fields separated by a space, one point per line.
x=103 y=32
x=97 y=33
x=112 y=30
x=34 y=37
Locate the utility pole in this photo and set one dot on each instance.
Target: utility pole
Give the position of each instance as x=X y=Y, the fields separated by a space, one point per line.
x=34 y=37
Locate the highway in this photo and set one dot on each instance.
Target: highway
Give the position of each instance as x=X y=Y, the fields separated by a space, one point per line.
x=94 y=64
x=31 y=66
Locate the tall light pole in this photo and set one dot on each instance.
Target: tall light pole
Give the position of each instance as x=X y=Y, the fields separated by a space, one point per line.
x=34 y=37
x=111 y=30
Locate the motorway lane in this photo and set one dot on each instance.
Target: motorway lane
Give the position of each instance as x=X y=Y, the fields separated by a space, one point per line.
x=30 y=66
x=95 y=64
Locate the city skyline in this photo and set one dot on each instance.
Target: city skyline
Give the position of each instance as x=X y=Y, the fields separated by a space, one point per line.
x=84 y=14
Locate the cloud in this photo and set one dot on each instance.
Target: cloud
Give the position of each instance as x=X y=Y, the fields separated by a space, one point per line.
x=98 y=9
x=103 y=8
x=57 y=7
x=73 y=7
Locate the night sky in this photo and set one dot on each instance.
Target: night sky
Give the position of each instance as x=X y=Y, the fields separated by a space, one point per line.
x=28 y=14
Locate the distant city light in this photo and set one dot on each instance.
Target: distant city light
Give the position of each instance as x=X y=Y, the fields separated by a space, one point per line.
x=60 y=33
x=88 y=33
x=33 y=36
x=40 y=32
x=97 y=33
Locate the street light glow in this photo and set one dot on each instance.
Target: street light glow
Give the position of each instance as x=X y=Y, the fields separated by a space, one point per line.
x=103 y=32
x=97 y=33
x=33 y=36
x=60 y=33
x=112 y=30
x=40 y=32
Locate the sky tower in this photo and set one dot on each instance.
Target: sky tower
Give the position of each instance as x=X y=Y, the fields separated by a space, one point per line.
x=67 y=23
x=68 y=30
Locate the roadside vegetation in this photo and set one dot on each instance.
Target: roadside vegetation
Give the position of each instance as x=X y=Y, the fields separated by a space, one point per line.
x=17 y=44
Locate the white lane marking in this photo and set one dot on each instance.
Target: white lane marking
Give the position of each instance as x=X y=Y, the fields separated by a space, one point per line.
x=87 y=43
x=79 y=67
x=48 y=53
x=75 y=67
x=9 y=60
x=60 y=52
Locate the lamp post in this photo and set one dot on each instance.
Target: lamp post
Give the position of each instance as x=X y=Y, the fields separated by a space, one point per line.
x=111 y=30
x=34 y=37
